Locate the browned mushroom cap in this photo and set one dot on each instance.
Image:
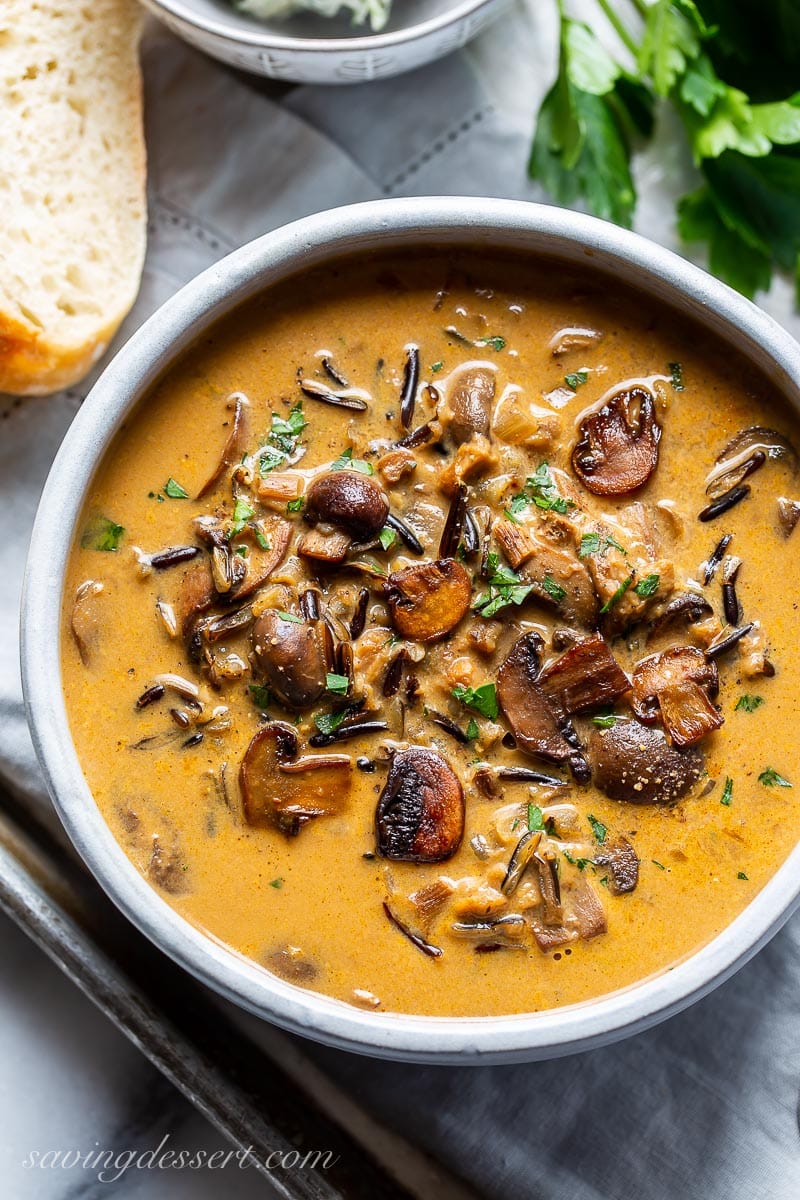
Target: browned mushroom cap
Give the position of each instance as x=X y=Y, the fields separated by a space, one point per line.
x=420 y=814
x=290 y=655
x=470 y=402
x=532 y=719
x=282 y=790
x=619 y=856
x=677 y=665
x=587 y=676
x=631 y=762
x=348 y=500
x=617 y=451
x=428 y=600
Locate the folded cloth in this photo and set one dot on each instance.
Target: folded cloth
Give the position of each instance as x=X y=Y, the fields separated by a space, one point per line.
x=703 y=1107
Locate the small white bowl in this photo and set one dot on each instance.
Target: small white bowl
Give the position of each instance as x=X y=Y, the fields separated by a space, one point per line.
x=308 y=48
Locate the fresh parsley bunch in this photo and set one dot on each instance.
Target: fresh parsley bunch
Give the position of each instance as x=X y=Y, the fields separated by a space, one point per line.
x=731 y=70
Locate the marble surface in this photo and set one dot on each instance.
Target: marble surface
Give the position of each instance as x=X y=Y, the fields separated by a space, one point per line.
x=703 y=1108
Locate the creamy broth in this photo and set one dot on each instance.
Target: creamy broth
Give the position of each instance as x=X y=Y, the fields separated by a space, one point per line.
x=616 y=890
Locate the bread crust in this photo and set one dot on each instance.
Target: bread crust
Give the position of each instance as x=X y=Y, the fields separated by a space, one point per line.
x=36 y=360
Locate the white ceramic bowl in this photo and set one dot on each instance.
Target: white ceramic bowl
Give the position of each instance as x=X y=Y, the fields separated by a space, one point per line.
x=313 y=49
x=386 y=225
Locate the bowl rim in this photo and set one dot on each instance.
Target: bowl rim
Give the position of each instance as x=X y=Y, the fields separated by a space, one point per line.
x=184 y=11
x=162 y=338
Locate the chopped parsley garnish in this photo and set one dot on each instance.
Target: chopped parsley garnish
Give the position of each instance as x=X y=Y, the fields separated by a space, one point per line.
x=241 y=551
x=260 y=695
x=605 y=720
x=535 y=818
x=676 y=373
x=346 y=462
x=748 y=704
x=618 y=594
x=329 y=722
x=505 y=588
x=387 y=537
x=727 y=792
x=102 y=534
x=648 y=586
x=770 y=778
x=242 y=512
x=472 y=731
x=287 y=616
x=593 y=543
x=554 y=590
x=174 y=490
x=575 y=380
x=742 y=875
x=580 y=863
x=282 y=439
x=437 y=366
x=262 y=540
x=276 y=883
x=339 y=685
x=483 y=699
x=295 y=505
x=598 y=829
x=497 y=343
x=656 y=863
x=544 y=492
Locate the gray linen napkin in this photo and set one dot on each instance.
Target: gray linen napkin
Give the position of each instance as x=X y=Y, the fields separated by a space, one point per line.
x=703 y=1107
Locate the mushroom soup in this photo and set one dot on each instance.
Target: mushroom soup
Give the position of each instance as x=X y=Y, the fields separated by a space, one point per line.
x=429 y=635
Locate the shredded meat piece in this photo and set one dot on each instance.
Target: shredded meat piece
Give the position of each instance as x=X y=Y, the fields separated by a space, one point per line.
x=472 y=459
x=754 y=654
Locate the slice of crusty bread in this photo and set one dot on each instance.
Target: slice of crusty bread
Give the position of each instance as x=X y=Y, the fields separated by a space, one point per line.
x=72 y=185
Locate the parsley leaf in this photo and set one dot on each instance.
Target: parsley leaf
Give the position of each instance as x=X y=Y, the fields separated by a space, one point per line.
x=748 y=704
x=618 y=594
x=554 y=590
x=505 y=588
x=581 y=145
x=282 y=439
x=287 y=616
x=576 y=379
x=648 y=586
x=544 y=492
x=770 y=778
x=174 y=490
x=676 y=376
x=472 y=731
x=329 y=722
x=741 y=875
x=605 y=720
x=260 y=695
x=346 y=462
x=598 y=829
x=592 y=543
x=483 y=699
x=387 y=537
x=102 y=534
x=242 y=512
x=295 y=505
x=535 y=818
x=339 y=685
x=727 y=792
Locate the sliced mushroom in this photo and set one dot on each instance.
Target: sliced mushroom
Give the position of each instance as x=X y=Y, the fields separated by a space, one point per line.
x=233 y=446
x=282 y=790
x=617 y=451
x=469 y=402
x=634 y=763
x=745 y=453
x=687 y=712
x=348 y=500
x=687 y=608
x=85 y=621
x=586 y=677
x=290 y=655
x=788 y=515
x=420 y=813
x=427 y=601
x=534 y=723
x=678 y=665
x=619 y=856
x=322 y=547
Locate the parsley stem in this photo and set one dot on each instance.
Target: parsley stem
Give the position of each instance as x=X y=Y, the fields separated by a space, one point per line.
x=620 y=30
